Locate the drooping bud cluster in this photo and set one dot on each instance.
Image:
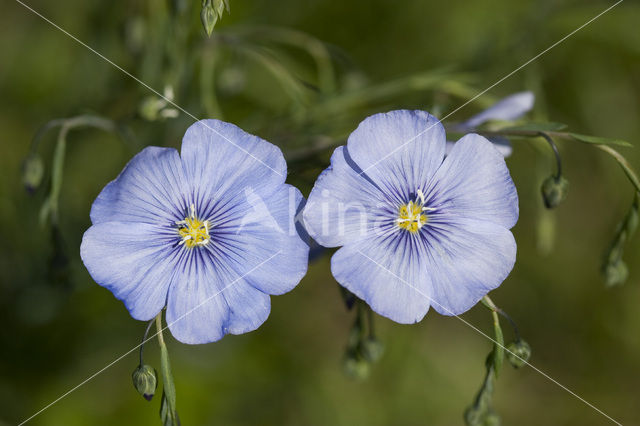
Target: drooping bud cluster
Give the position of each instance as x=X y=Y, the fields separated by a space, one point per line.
x=212 y=10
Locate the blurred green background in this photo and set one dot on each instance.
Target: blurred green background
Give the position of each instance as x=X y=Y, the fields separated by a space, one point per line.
x=58 y=327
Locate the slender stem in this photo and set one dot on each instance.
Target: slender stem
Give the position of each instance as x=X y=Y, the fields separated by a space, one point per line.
x=554 y=147
x=626 y=167
x=57 y=169
x=159 y=327
x=516 y=332
x=144 y=339
x=486 y=300
x=371 y=321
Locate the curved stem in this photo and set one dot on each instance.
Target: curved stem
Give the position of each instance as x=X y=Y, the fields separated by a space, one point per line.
x=144 y=340
x=516 y=332
x=554 y=147
x=72 y=123
x=626 y=167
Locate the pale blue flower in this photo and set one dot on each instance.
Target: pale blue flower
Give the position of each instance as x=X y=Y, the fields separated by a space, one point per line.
x=506 y=109
x=209 y=233
x=416 y=229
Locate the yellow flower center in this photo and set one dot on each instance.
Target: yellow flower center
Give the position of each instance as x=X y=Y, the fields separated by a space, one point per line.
x=193 y=231
x=411 y=216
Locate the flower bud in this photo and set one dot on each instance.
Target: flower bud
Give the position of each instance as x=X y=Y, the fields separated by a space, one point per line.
x=372 y=349
x=554 y=191
x=615 y=273
x=145 y=381
x=483 y=416
x=212 y=10
x=356 y=367
x=32 y=172
x=518 y=353
x=208 y=16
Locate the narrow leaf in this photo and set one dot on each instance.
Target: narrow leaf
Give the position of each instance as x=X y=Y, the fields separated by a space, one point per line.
x=599 y=140
x=536 y=127
x=168 y=412
x=498 y=350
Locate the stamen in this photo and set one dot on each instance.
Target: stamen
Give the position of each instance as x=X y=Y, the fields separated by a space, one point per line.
x=193 y=231
x=411 y=216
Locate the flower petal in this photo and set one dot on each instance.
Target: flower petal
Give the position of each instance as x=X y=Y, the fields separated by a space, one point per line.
x=388 y=273
x=343 y=204
x=262 y=240
x=474 y=182
x=134 y=261
x=197 y=311
x=510 y=108
x=400 y=150
x=208 y=300
x=221 y=158
x=150 y=189
x=501 y=144
x=467 y=259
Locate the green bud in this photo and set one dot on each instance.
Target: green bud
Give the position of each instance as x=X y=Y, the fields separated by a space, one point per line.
x=481 y=416
x=155 y=108
x=518 y=353
x=150 y=108
x=615 y=273
x=554 y=191
x=492 y=419
x=32 y=172
x=356 y=367
x=208 y=16
x=145 y=381
x=372 y=349
x=212 y=10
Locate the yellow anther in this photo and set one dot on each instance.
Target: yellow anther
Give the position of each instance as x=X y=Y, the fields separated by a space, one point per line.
x=193 y=231
x=411 y=216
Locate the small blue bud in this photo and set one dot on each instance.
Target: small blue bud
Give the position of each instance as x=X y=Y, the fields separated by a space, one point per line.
x=145 y=381
x=554 y=191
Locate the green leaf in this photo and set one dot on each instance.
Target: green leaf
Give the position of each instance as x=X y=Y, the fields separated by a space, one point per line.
x=535 y=127
x=599 y=140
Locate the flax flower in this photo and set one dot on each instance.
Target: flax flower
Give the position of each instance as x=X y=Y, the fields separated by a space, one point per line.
x=416 y=229
x=209 y=233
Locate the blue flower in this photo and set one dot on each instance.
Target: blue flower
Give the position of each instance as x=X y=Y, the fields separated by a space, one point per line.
x=416 y=229
x=209 y=233
x=506 y=109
